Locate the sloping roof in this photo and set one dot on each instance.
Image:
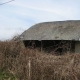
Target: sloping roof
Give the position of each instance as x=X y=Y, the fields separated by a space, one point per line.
x=59 y=30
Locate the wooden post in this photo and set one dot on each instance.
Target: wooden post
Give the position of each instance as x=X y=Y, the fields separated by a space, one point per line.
x=41 y=46
x=29 y=65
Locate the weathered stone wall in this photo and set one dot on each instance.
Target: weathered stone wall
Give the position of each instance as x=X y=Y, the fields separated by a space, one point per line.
x=77 y=47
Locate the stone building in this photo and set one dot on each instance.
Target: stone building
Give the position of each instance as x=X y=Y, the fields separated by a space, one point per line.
x=62 y=36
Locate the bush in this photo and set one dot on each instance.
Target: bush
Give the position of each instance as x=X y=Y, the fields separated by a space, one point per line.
x=30 y=64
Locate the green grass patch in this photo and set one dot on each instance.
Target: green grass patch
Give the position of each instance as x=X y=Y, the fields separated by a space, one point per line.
x=6 y=75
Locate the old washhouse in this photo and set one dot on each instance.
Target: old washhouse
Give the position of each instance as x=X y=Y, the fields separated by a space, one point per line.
x=58 y=36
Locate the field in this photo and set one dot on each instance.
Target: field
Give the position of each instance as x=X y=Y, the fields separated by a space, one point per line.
x=20 y=63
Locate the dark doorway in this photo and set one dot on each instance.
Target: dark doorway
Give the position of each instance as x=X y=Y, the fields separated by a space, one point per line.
x=57 y=46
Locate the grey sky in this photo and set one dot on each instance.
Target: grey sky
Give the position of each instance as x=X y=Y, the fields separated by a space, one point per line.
x=19 y=15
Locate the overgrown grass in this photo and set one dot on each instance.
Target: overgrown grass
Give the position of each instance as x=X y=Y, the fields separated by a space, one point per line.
x=30 y=64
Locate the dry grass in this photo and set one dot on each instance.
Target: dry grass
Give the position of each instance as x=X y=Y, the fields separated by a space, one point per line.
x=30 y=64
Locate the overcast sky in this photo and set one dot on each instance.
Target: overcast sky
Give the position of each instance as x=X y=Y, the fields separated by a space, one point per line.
x=19 y=15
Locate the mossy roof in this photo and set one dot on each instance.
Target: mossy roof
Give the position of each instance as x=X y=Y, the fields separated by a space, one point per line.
x=58 y=30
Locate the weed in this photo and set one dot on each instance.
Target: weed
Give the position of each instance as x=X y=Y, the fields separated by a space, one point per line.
x=31 y=64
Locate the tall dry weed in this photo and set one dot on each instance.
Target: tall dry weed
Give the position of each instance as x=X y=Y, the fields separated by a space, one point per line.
x=31 y=64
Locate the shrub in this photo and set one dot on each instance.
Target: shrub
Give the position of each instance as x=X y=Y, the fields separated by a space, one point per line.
x=31 y=64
